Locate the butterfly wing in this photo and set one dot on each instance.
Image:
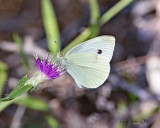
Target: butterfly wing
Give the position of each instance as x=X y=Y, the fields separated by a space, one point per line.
x=102 y=45
x=88 y=70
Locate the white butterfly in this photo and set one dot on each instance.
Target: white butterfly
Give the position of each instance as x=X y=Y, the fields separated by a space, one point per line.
x=89 y=62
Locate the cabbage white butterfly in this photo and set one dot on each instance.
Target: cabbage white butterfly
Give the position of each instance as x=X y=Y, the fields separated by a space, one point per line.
x=89 y=62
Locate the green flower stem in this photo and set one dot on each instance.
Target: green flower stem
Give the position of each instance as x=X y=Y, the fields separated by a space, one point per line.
x=114 y=11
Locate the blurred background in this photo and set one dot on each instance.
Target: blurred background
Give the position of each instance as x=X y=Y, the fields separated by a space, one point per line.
x=128 y=99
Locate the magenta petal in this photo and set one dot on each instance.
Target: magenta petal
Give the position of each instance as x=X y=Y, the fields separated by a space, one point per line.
x=39 y=64
x=48 y=69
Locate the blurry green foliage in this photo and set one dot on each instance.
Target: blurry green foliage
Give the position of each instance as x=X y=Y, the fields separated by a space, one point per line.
x=114 y=11
x=50 y=25
x=96 y=22
x=132 y=98
x=4 y=105
x=19 y=42
x=28 y=101
x=3 y=76
x=33 y=103
x=130 y=79
x=120 y=125
x=52 y=122
x=121 y=107
x=146 y=114
x=94 y=18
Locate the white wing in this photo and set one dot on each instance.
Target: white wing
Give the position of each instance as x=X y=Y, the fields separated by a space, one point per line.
x=88 y=70
x=102 y=45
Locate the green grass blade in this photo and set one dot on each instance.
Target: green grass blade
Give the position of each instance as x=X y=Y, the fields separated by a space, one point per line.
x=5 y=104
x=89 y=32
x=3 y=76
x=28 y=101
x=94 y=18
x=52 y=122
x=33 y=103
x=95 y=14
x=50 y=25
x=18 y=41
x=114 y=11
x=93 y=30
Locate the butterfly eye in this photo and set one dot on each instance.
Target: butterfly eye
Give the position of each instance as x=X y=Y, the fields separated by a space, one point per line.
x=99 y=51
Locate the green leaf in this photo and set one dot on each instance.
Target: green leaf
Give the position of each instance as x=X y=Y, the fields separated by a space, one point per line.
x=3 y=76
x=18 y=92
x=53 y=123
x=18 y=41
x=50 y=25
x=20 y=84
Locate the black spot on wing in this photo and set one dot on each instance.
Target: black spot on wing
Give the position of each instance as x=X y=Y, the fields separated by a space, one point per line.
x=99 y=51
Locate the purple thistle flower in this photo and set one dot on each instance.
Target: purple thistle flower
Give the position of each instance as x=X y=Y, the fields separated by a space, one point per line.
x=49 y=69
